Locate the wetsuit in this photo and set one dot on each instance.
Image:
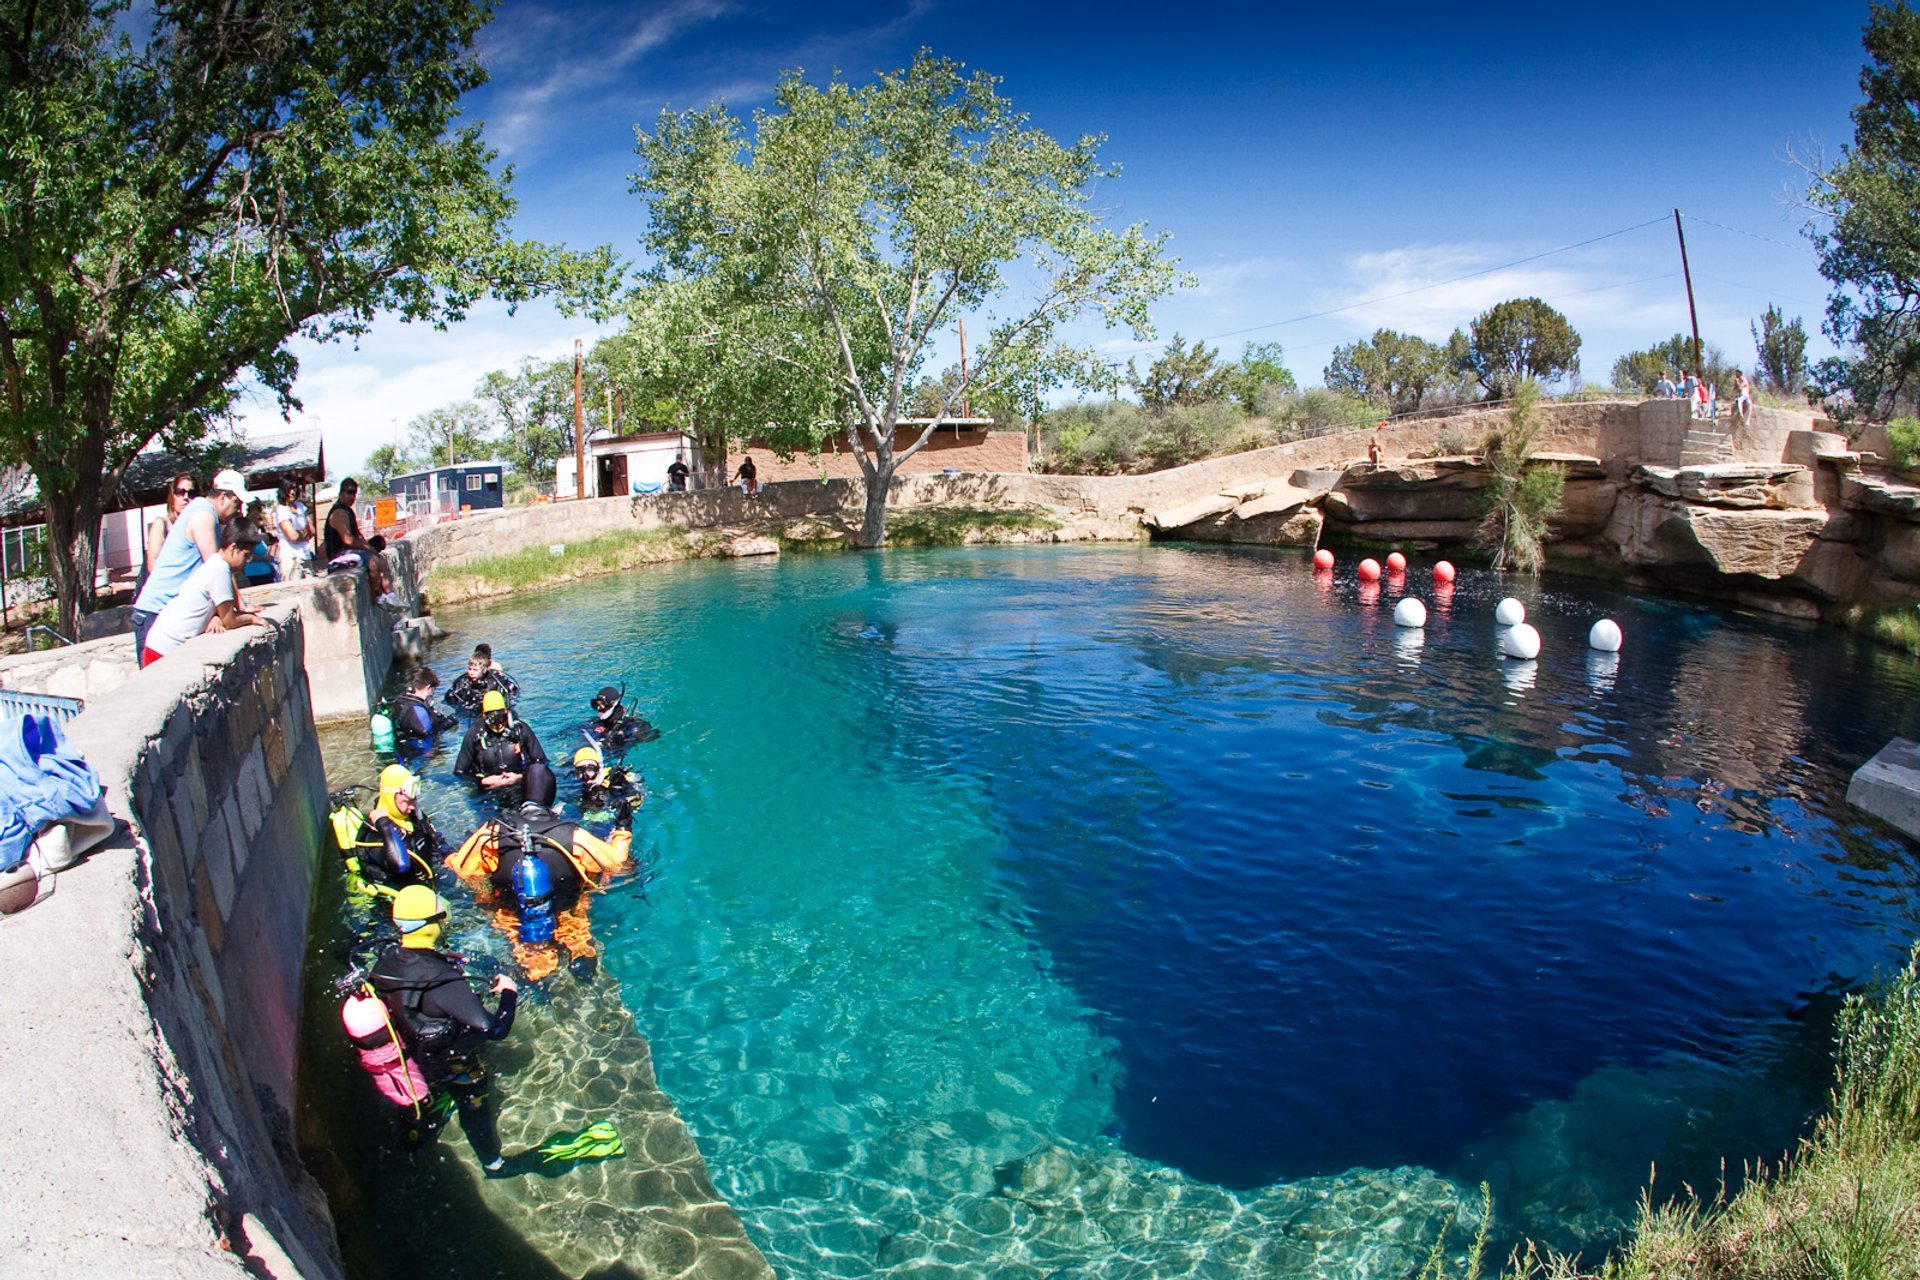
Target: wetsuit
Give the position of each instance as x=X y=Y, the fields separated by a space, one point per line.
x=444 y=1025
x=616 y=783
x=391 y=856
x=573 y=857
x=483 y=753
x=552 y=836
x=466 y=692
x=621 y=729
x=416 y=723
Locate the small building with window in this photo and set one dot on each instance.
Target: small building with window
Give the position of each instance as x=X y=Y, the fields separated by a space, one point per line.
x=445 y=490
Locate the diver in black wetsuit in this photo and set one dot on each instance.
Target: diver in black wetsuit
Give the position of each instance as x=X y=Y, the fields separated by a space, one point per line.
x=416 y=725
x=438 y=1016
x=615 y=725
x=499 y=750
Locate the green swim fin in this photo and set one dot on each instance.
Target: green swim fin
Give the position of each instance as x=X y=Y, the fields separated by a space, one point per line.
x=599 y=1141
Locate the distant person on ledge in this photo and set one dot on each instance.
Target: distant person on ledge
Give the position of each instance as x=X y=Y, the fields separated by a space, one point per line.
x=677 y=474
x=343 y=546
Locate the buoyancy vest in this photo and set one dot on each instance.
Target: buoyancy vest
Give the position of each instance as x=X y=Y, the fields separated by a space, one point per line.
x=403 y=976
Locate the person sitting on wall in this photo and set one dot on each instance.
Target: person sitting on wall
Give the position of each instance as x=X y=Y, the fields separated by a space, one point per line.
x=343 y=547
x=193 y=541
x=483 y=675
x=615 y=725
x=500 y=750
x=206 y=600
x=749 y=476
x=534 y=868
x=416 y=725
x=677 y=474
x=601 y=787
x=1664 y=389
x=397 y=842
x=439 y=1019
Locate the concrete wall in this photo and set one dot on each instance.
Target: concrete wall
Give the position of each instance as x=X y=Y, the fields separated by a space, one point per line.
x=349 y=639
x=966 y=449
x=148 y=1024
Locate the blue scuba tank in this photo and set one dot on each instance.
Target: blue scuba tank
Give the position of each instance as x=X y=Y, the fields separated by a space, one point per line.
x=533 y=885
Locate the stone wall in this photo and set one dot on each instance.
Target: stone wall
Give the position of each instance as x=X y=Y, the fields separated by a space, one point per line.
x=968 y=450
x=148 y=1026
x=349 y=640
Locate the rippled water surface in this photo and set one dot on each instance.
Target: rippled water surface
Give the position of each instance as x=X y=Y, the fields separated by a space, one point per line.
x=1156 y=911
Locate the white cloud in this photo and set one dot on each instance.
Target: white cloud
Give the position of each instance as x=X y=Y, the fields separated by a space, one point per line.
x=362 y=398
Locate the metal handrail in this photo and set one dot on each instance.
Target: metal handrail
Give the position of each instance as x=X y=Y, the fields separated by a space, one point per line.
x=49 y=630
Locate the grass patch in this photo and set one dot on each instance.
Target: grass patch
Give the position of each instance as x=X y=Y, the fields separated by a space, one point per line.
x=1846 y=1205
x=960 y=526
x=1897 y=628
x=587 y=558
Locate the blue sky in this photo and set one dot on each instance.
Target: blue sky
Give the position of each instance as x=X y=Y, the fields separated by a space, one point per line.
x=1304 y=161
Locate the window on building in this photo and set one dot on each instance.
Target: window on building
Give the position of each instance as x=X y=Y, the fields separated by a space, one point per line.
x=473 y=482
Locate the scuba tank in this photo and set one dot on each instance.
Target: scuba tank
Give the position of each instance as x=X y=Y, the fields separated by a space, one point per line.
x=370 y=1031
x=533 y=886
x=381 y=725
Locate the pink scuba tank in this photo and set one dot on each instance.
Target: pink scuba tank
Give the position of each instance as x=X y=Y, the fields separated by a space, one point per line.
x=396 y=1076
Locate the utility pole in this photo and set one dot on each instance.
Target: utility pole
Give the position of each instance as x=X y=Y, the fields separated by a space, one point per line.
x=1699 y=365
x=964 y=407
x=579 y=428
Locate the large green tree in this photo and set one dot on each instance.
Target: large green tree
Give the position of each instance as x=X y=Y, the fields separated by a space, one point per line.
x=1182 y=376
x=867 y=220
x=460 y=432
x=1392 y=371
x=1780 y=352
x=1869 y=245
x=1641 y=371
x=187 y=187
x=532 y=406
x=1518 y=339
x=1260 y=376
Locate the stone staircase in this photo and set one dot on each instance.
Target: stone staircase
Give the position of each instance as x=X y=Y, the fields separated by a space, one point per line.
x=1707 y=441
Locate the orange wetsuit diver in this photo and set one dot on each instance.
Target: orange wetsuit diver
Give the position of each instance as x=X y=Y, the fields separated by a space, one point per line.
x=535 y=869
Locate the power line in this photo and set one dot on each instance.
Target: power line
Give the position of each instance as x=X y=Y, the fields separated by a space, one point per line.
x=1751 y=235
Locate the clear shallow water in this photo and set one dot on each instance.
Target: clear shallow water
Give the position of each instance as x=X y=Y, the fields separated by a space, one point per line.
x=1164 y=911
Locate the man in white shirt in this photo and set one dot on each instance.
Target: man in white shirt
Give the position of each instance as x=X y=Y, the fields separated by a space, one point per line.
x=206 y=600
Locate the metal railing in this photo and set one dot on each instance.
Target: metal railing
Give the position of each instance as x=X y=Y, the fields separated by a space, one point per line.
x=36 y=628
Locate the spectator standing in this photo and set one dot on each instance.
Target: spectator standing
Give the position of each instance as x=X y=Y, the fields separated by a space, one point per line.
x=293 y=526
x=1742 y=397
x=193 y=541
x=205 y=601
x=180 y=491
x=677 y=474
x=1664 y=389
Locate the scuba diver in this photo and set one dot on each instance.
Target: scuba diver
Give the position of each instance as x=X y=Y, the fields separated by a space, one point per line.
x=416 y=725
x=535 y=868
x=615 y=725
x=436 y=1019
x=500 y=749
x=601 y=787
x=483 y=675
x=392 y=845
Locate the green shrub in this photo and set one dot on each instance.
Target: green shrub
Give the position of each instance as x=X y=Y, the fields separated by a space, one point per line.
x=1452 y=442
x=1903 y=442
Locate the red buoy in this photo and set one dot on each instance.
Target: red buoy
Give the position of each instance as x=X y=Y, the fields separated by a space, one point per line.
x=1442 y=571
x=1369 y=570
x=1323 y=559
x=1396 y=563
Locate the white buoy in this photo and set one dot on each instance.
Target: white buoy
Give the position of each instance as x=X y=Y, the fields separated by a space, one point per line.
x=1410 y=613
x=1520 y=641
x=1510 y=612
x=1605 y=636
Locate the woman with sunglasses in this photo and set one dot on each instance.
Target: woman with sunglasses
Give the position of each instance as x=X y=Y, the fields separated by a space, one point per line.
x=180 y=491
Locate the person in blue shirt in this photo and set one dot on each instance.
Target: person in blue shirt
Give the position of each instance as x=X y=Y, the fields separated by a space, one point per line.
x=193 y=540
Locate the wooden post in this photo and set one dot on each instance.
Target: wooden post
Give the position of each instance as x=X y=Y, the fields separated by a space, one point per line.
x=965 y=397
x=1699 y=365
x=579 y=429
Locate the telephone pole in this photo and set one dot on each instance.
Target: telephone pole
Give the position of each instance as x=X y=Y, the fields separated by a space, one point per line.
x=579 y=428
x=1699 y=366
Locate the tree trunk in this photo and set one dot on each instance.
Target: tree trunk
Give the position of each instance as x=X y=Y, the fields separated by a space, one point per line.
x=877 y=465
x=73 y=546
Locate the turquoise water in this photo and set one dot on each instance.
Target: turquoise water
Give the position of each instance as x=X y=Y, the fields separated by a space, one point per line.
x=1154 y=911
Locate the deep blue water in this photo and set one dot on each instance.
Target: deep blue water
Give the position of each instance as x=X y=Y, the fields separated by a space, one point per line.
x=1212 y=861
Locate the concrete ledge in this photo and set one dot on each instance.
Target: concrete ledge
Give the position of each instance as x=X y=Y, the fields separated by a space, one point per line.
x=1888 y=786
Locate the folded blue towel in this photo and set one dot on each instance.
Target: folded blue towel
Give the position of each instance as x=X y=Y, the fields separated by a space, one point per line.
x=42 y=780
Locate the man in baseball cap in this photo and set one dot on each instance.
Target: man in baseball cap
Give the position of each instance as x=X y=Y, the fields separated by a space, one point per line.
x=193 y=540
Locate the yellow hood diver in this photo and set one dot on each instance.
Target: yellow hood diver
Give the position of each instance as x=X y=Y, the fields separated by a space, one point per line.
x=391 y=845
x=500 y=749
x=535 y=869
x=441 y=1022
x=602 y=788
